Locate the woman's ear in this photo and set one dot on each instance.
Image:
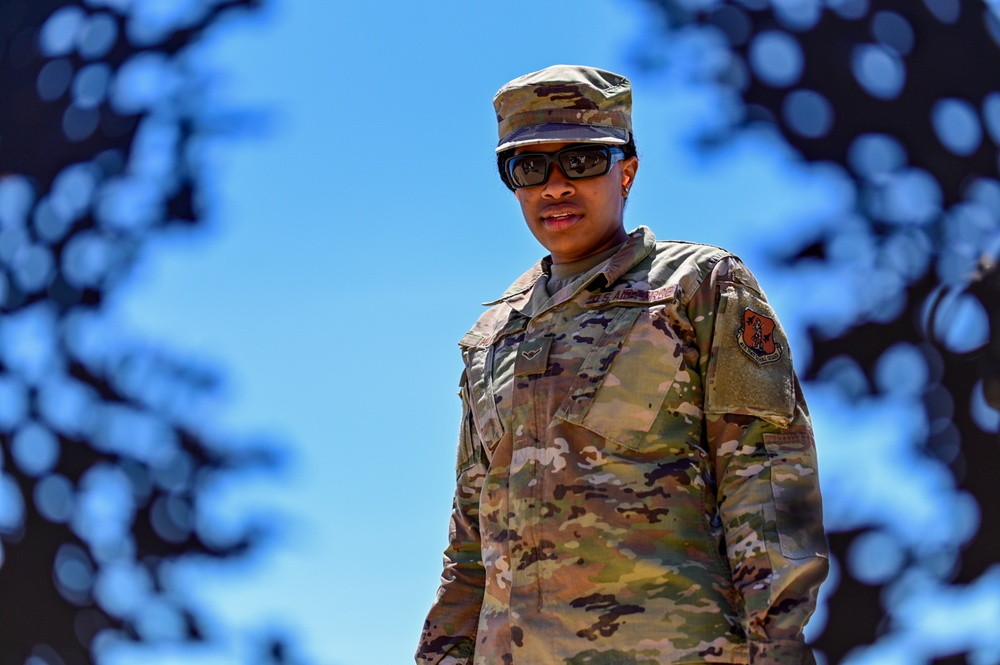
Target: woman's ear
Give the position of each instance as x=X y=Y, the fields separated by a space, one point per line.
x=629 y=168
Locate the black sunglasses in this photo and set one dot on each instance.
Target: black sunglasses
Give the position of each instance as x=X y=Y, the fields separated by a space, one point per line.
x=577 y=161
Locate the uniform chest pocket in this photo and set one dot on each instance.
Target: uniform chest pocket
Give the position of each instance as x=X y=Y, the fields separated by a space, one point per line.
x=622 y=383
x=490 y=369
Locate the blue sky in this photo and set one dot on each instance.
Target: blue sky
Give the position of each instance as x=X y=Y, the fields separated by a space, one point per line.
x=348 y=248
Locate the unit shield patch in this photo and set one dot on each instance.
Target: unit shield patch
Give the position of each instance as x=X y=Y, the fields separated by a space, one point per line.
x=756 y=338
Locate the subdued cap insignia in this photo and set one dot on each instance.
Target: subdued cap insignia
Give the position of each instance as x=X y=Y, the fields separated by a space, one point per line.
x=564 y=103
x=756 y=338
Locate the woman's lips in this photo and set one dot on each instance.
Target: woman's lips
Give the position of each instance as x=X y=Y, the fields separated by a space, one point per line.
x=560 y=220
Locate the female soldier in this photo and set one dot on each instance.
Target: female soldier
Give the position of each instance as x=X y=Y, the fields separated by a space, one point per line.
x=636 y=469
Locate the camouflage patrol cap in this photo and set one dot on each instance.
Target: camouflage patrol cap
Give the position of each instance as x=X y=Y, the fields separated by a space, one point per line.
x=564 y=103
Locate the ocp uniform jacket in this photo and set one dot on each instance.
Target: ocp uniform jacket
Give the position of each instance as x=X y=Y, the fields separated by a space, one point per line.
x=636 y=477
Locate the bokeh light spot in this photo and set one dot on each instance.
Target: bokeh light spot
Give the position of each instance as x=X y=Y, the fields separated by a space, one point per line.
x=54 y=498
x=87 y=336
x=43 y=654
x=901 y=370
x=845 y=373
x=946 y=11
x=872 y=155
x=33 y=267
x=74 y=573
x=73 y=189
x=127 y=203
x=957 y=126
x=122 y=587
x=733 y=22
x=894 y=31
x=105 y=510
x=798 y=14
x=849 y=9
x=78 y=122
x=35 y=449
x=12 y=239
x=991 y=115
x=140 y=434
x=59 y=33
x=50 y=224
x=142 y=82
x=171 y=518
x=908 y=196
x=962 y=324
x=16 y=198
x=11 y=506
x=875 y=557
x=13 y=401
x=159 y=622
x=173 y=473
x=992 y=21
x=86 y=259
x=985 y=416
x=907 y=252
x=776 y=58
x=879 y=71
x=971 y=225
x=67 y=405
x=986 y=193
x=911 y=196
x=53 y=79
x=97 y=36
x=808 y=113
x=886 y=296
x=91 y=84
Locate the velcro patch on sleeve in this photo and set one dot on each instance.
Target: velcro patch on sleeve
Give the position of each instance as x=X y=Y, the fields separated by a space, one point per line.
x=750 y=370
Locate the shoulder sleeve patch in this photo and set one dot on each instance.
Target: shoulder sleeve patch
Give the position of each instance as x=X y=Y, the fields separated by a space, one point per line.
x=750 y=369
x=755 y=338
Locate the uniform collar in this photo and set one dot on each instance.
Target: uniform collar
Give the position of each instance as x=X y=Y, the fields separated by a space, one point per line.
x=639 y=245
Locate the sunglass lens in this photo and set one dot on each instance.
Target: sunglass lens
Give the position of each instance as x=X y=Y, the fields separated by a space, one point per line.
x=584 y=162
x=527 y=170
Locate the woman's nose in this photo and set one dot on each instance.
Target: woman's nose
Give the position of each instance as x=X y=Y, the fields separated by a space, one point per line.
x=558 y=185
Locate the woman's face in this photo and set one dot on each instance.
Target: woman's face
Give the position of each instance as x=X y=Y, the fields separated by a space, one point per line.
x=574 y=219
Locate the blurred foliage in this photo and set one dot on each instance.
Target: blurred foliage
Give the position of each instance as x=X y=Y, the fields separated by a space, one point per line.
x=107 y=461
x=898 y=101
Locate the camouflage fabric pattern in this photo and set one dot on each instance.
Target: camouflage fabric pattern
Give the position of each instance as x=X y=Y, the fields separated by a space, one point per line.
x=612 y=505
x=565 y=103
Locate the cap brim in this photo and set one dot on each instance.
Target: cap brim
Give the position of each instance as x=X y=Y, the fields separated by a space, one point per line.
x=563 y=133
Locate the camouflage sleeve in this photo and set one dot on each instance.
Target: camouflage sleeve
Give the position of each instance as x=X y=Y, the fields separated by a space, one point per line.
x=449 y=633
x=761 y=443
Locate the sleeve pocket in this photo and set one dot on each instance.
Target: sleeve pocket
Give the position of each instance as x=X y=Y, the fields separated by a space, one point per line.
x=797 y=501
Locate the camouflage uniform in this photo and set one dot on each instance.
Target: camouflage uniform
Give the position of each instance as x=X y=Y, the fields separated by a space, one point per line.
x=636 y=474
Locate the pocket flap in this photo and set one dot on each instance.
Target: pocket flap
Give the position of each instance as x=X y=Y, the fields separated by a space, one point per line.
x=623 y=381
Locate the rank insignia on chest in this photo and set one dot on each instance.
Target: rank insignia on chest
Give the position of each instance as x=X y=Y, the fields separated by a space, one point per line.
x=532 y=357
x=756 y=338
